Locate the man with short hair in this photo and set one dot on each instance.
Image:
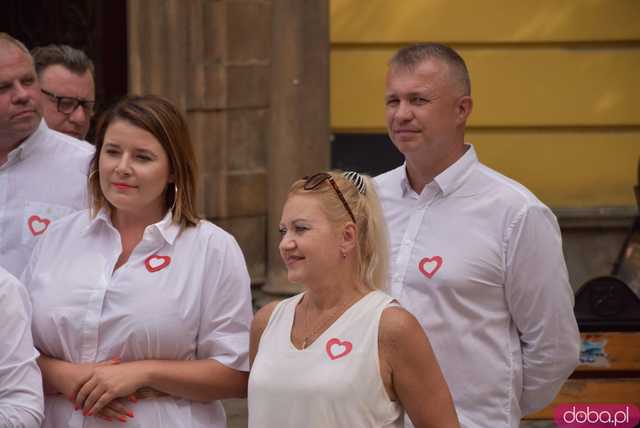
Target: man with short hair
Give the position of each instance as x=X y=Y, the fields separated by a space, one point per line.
x=43 y=173
x=476 y=257
x=67 y=80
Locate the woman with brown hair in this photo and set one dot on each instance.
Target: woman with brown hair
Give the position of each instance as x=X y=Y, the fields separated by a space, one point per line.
x=140 y=293
x=341 y=354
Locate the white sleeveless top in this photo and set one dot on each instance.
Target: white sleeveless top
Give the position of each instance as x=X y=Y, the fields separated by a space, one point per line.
x=335 y=382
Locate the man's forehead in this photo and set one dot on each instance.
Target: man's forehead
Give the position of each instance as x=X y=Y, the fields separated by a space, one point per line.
x=6 y=46
x=11 y=54
x=63 y=70
x=423 y=76
x=68 y=83
x=426 y=67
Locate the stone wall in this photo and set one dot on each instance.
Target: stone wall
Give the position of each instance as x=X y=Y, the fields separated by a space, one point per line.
x=212 y=58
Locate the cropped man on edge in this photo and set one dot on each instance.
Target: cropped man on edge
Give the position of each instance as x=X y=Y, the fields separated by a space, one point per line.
x=43 y=173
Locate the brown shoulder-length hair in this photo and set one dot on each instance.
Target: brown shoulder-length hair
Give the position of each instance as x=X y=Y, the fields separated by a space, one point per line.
x=161 y=119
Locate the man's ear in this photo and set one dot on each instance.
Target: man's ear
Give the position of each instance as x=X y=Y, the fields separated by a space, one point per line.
x=463 y=109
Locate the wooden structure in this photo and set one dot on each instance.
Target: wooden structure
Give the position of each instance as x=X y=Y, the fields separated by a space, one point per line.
x=609 y=373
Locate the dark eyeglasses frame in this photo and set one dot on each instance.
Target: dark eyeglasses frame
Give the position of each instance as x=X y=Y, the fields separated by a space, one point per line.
x=87 y=105
x=312 y=182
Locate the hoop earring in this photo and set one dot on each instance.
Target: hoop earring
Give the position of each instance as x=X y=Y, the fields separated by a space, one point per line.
x=175 y=197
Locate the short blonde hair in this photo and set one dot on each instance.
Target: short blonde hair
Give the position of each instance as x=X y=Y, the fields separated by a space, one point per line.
x=161 y=119
x=373 y=243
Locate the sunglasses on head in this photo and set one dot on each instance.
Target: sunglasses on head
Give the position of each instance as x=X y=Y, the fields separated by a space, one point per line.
x=312 y=182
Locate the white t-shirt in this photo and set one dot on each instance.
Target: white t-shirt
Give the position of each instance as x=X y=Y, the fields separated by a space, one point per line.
x=20 y=380
x=335 y=382
x=477 y=258
x=43 y=179
x=182 y=295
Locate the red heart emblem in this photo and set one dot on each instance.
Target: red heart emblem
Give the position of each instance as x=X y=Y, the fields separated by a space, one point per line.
x=337 y=348
x=155 y=262
x=430 y=265
x=38 y=225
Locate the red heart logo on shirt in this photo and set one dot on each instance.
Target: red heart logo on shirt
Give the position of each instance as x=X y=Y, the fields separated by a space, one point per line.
x=430 y=265
x=155 y=262
x=38 y=225
x=337 y=348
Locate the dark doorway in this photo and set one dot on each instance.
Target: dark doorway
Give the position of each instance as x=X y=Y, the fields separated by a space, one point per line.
x=98 y=27
x=371 y=154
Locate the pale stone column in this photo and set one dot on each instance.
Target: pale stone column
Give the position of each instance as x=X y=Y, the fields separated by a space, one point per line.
x=212 y=58
x=299 y=112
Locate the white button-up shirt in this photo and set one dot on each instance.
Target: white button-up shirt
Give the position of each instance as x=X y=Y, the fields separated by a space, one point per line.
x=182 y=295
x=20 y=380
x=43 y=179
x=477 y=258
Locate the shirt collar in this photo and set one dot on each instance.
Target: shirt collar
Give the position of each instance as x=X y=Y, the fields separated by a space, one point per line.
x=456 y=174
x=30 y=144
x=166 y=227
x=451 y=178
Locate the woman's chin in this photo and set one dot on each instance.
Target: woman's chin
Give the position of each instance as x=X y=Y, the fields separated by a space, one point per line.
x=295 y=277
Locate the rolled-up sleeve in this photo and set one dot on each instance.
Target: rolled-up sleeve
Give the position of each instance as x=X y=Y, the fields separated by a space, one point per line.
x=540 y=300
x=21 y=397
x=226 y=305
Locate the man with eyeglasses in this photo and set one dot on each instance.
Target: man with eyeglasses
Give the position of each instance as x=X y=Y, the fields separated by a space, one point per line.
x=43 y=173
x=67 y=82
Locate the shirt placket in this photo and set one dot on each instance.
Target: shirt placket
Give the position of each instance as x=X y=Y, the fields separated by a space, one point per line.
x=4 y=202
x=89 y=347
x=409 y=239
x=4 y=197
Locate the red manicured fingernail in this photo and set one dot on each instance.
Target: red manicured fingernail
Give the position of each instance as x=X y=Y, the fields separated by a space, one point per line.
x=130 y=414
x=90 y=414
x=122 y=419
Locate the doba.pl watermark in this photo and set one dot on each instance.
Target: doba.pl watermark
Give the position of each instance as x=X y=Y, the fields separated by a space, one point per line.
x=596 y=415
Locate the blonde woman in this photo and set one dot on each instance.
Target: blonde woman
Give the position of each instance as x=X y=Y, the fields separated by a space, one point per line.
x=342 y=353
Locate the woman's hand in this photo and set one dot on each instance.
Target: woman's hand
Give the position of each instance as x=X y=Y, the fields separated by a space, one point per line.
x=106 y=384
x=63 y=377
x=115 y=410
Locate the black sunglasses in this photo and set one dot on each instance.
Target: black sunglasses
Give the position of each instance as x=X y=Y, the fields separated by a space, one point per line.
x=68 y=105
x=312 y=182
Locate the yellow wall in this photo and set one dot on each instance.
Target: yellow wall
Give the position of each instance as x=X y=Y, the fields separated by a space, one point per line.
x=554 y=83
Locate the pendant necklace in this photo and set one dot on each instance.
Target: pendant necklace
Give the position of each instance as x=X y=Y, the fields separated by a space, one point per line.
x=334 y=315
